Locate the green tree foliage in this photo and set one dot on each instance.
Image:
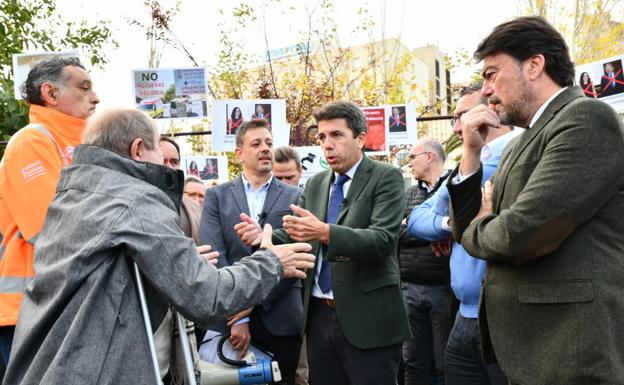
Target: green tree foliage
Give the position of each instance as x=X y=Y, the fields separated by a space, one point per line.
x=169 y=94
x=34 y=25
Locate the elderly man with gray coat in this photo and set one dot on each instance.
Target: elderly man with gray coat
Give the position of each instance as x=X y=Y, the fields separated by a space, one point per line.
x=80 y=322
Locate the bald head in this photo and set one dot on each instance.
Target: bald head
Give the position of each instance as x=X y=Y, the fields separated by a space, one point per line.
x=427 y=160
x=126 y=131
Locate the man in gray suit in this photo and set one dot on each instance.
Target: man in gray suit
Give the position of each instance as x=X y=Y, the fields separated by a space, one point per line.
x=551 y=221
x=256 y=195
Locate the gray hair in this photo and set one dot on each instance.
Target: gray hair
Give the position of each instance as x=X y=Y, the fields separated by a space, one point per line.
x=193 y=179
x=47 y=71
x=356 y=121
x=115 y=129
x=435 y=147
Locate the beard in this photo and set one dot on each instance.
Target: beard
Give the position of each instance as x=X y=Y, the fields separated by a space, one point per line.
x=517 y=112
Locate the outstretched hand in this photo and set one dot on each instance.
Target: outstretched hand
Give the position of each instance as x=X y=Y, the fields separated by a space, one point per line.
x=293 y=256
x=303 y=226
x=248 y=230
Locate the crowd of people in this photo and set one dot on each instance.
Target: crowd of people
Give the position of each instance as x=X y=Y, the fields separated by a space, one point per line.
x=503 y=270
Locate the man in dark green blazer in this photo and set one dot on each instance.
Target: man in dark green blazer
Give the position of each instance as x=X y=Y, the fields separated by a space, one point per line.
x=551 y=223
x=356 y=319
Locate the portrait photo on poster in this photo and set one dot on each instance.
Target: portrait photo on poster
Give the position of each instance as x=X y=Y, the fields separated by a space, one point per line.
x=396 y=121
x=604 y=80
x=206 y=167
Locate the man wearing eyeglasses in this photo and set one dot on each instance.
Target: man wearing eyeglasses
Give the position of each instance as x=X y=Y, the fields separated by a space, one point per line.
x=425 y=277
x=429 y=221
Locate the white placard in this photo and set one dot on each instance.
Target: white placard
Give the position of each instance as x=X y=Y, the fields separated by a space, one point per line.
x=206 y=167
x=604 y=80
x=229 y=115
x=170 y=93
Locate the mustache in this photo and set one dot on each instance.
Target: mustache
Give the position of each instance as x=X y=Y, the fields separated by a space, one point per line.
x=494 y=100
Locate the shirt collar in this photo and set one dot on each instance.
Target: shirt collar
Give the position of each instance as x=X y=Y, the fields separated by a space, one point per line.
x=249 y=186
x=351 y=171
x=497 y=145
x=540 y=111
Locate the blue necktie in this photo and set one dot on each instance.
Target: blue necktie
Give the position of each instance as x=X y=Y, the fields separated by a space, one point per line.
x=335 y=201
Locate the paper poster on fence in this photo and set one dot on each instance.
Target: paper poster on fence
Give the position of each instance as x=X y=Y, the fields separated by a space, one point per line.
x=23 y=62
x=170 y=93
x=209 y=169
x=388 y=126
x=402 y=127
x=604 y=80
x=312 y=162
x=376 y=143
x=229 y=115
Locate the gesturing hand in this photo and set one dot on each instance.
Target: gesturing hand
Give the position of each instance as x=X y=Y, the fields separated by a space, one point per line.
x=305 y=226
x=203 y=252
x=293 y=256
x=248 y=230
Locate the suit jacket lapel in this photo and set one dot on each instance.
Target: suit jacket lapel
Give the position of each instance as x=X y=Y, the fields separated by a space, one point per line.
x=240 y=197
x=360 y=179
x=530 y=134
x=275 y=189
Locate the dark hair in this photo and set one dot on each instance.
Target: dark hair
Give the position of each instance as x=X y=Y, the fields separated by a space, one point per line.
x=167 y=138
x=234 y=110
x=471 y=88
x=47 y=71
x=524 y=37
x=250 y=125
x=348 y=111
x=581 y=79
x=285 y=154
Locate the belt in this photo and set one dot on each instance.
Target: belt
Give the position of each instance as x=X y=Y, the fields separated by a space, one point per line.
x=331 y=303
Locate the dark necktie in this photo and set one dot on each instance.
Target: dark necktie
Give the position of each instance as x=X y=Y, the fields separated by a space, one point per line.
x=335 y=201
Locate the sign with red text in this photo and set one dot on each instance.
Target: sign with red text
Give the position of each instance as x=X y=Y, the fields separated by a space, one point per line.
x=171 y=93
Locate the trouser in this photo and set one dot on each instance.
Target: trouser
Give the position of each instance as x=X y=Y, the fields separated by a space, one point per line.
x=6 y=340
x=428 y=311
x=285 y=349
x=464 y=360
x=333 y=360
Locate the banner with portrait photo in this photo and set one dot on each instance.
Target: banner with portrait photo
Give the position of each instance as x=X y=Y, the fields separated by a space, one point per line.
x=604 y=80
x=376 y=138
x=210 y=169
x=390 y=125
x=170 y=93
x=402 y=126
x=229 y=115
x=23 y=62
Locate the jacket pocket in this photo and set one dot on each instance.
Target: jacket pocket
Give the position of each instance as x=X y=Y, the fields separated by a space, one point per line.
x=556 y=292
x=372 y=283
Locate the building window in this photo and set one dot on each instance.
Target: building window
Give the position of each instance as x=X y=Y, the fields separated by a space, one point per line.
x=437 y=68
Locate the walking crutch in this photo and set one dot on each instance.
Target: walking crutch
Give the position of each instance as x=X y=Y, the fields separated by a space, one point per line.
x=188 y=362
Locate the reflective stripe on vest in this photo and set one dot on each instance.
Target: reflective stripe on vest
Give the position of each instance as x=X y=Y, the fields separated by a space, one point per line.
x=32 y=239
x=2 y=247
x=41 y=128
x=14 y=284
